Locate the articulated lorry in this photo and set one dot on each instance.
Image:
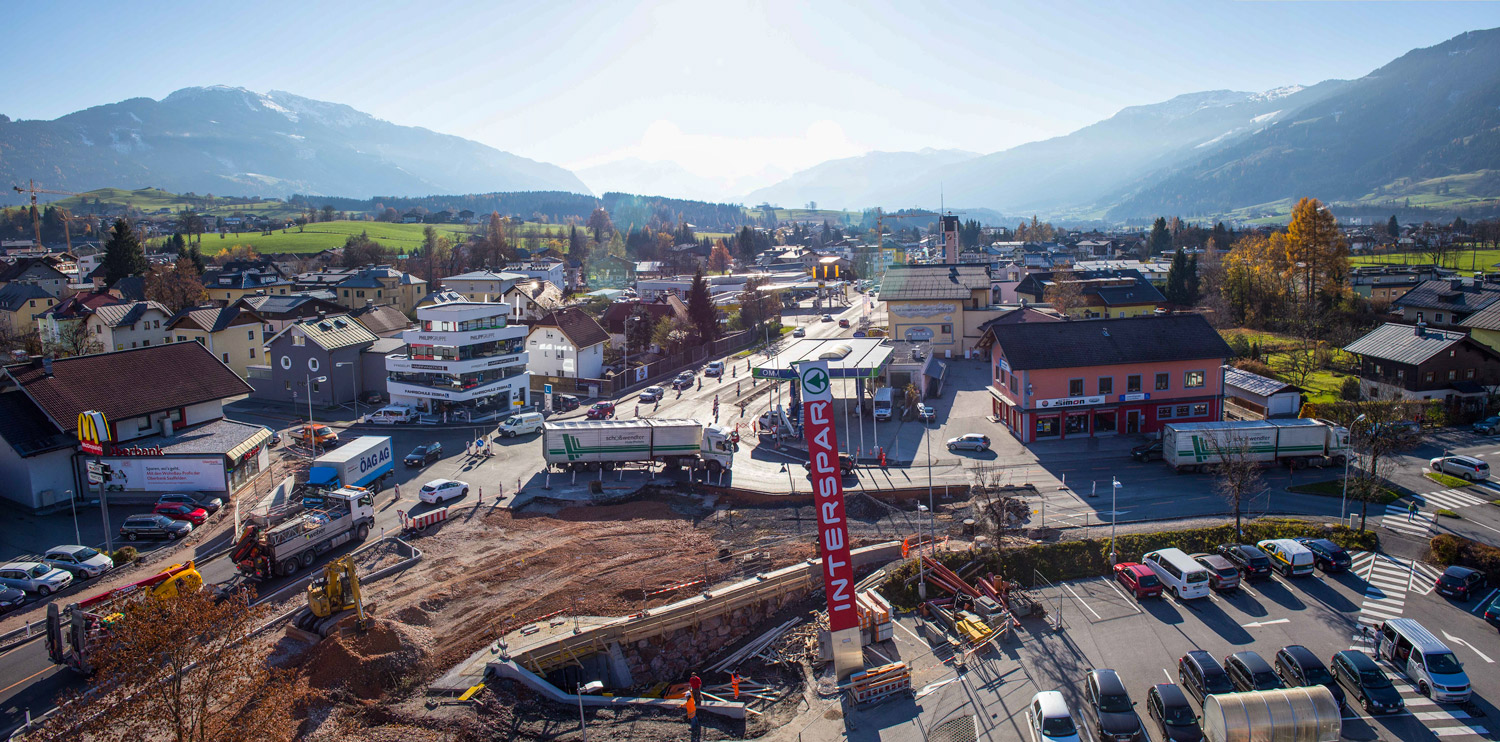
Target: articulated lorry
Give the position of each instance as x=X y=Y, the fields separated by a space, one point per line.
x=364 y=462
x=1296 y=443
x=346 y=514
x=593 y=444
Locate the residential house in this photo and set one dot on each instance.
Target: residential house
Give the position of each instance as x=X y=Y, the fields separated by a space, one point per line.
x=234 y=334
x=237 y=279
x=1445 y=303
x=1250 y=396
x=482 y=285
x=1154 y=271
x=618 y=313
x=54 y=325
x=317 y=357
x=941 y=305
x=1059 y=380
x=1415 y=362
x=545 y=269
x=136 y=324
x=381 y=284
x=1102 y=293
x=36 y=272
x=276 y=312
x=610 y=272
x=1384 y=284
x=1484 y=326
x=568 y=343
x=381 y=319
x=20 y=303
x=532 y=300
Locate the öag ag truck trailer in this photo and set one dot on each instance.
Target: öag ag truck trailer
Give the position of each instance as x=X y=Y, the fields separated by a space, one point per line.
x=1296 y=443
x=594 y=444
x=365 y=462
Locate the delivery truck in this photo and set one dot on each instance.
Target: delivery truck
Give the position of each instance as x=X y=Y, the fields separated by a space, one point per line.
x=588 y=445
x=1297 y=443
x=1306 y=714
x=364 y=462
x=347 y=514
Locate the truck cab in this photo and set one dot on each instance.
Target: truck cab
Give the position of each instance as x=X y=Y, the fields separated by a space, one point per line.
x=719 y=446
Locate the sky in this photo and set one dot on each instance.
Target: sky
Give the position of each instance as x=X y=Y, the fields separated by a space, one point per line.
x=739 y=91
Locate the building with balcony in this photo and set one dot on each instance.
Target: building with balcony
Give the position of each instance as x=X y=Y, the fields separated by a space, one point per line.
x=462 y=357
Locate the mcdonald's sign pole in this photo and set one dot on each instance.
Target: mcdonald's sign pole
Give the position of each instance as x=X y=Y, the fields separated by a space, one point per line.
x=93 y=433
x=833 y=528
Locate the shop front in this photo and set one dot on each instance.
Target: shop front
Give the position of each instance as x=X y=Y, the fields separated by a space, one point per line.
x=215 y=458
x=1098 y=417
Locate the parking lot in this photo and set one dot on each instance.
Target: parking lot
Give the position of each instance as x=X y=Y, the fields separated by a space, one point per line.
x=1103 y=627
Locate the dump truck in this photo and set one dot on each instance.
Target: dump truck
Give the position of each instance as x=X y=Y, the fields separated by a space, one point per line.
x=588 y=445
x=71 y=629
x=364 y=462
x=1307 y=714
x=346 y=514
x=1296 y=443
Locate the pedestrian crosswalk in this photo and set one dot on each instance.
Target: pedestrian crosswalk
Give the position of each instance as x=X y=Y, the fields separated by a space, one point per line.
x=1386 y=582
x=1443 y=721
x=1451 y=499
x=1401 y=520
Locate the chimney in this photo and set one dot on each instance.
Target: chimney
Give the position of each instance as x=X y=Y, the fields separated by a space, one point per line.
x=1420 y=330
x=47 y=366
x=1457 y=284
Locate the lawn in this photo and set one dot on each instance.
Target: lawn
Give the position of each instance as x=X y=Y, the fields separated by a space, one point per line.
x=153 y=200
x=1477 y=260
x=324 y=235
x=1322 y=384
x=1335 y=488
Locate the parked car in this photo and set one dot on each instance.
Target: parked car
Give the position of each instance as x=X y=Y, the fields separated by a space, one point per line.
x=11 y=598
x=1329 y=556
x=442 y=490
x=193 y=499
x=1201 y=675
x=1049 y=718
x=1148 y=452
x=846 y=465
x=1492 y=612
x=1222 y=574
x=1404 y=430
x=395 y=414
x=1300 y=668
x=372 y=397
x=1488 y=426
x=601 y=411
x=80 y=561
x=926 y=413
x=970 y=441
x=827 y=318
x=1464 y=467
x=1168 y=706
x=799 y=332
x=565 y=403
x=153 y=525
x=843 y=323
x=275 y=438
x=1115 y=719
x=1288 y=557
x=652 y=394
x=714 y=368
x=34 y=577
x=1364 y=681
x=1249 y=671
x=1138 y=579
x=1461 y=583
x=1252 y=561
x=424 y=454
x=684 y=380
x=191 y=514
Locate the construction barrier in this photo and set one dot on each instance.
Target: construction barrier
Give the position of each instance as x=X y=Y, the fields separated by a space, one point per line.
x=420 y=522
x=879 y=683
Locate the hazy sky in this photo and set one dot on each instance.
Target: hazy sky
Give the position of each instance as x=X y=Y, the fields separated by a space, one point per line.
x=725 y=88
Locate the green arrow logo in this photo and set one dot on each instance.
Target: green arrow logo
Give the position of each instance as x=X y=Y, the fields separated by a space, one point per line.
x=815 y=381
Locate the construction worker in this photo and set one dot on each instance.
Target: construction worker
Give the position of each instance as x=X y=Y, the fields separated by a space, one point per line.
x=695 y=684
x=734 y=684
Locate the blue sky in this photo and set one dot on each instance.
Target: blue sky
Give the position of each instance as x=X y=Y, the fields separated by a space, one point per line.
x=719 y=87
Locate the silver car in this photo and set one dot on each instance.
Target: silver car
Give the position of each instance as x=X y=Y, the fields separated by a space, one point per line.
x=970 y=441
x=1467 y=467
x=34 y=577
x=80 y=561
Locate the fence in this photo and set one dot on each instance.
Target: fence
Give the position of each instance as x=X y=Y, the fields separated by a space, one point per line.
x=614 y=384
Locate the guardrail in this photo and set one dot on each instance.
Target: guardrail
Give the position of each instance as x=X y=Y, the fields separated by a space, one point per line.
x=17 y=637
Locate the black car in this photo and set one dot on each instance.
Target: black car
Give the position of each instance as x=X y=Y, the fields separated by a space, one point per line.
x=846 y=465
x=1148 y=452
x=1168 y=706
x=1366 y=682
x=564 y=402
x=424 y=455
x=1250 y=559
x=151 y=525
x=193 y=499
x=1300 y=668
x=1460 y=583
x=11 y=598
x=1114 y=713
x=1249 y=671
x=1201 y=675
x=1327 y=555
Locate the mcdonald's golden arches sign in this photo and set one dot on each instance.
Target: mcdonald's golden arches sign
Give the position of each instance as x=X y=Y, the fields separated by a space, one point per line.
x=93 y=432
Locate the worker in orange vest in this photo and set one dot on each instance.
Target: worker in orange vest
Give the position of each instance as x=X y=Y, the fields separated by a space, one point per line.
x=734 y=684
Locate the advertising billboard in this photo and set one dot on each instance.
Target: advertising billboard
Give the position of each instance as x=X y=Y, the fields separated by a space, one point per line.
x=828 y=493
x=153 y=474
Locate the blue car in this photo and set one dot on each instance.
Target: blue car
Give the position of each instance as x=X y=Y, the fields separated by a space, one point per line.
x=1492 y=613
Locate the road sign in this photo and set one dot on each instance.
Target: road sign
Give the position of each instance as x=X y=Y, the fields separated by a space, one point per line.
x=546 y=388
x=95 y=478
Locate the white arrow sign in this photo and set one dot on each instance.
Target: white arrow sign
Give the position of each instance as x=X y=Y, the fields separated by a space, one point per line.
x=1258 y=624
x=1461 y=642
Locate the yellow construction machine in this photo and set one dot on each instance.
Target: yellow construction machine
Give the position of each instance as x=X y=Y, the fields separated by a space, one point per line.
x=331 y=599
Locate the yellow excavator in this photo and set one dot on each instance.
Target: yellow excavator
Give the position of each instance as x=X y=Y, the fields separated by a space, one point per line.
x=331 y=599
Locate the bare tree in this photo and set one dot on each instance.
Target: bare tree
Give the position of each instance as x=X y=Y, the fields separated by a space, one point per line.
x=1378 y=431
x=1238 y=473
x=177 y=286
x=1064 y=293
x=73 y=339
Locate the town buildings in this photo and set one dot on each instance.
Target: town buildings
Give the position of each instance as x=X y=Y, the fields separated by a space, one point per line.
x=942 y=305
x=1416 y=362
x=240 y=278
x=355 y=287
x=314 y=359
x=482 y=285
x=1446 y=302
x=234 y=334
x=1100 y=293
x=462 y=358
x=567 y=343
x=126 y=325
x=1249 y=396
x=20 y=303
x=39 y=272
x=1386 y=283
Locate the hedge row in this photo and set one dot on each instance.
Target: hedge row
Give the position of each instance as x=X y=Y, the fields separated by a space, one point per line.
x=1074 y=560
x=1449 y=550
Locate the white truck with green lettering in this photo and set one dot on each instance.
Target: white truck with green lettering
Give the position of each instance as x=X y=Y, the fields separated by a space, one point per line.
x=1296 y=443
x=588 y=445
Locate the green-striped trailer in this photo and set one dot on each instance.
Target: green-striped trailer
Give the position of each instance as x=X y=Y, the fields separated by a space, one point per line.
x=1295 y=442
x=588 y=445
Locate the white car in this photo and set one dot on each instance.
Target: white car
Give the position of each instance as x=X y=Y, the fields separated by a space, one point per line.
x=34 y=577
x=925 y=413
x=1049 y=718
x=970 y=441
x=442 y=490
x=799 y=332
x=715 y=368
x=80 y=561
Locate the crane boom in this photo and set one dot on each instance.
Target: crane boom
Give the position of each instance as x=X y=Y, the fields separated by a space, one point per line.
x=36 y=226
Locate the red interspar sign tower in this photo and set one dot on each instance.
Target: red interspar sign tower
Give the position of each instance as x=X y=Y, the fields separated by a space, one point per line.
x=833 y=528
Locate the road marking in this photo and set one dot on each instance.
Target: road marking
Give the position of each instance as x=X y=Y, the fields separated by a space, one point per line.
x=1484 y=602
x=1084 y=602
x=1452 y=499
x=48 y=668
x=1439 y=715
x=1258 y=624
x=1168 y=674
x=1128 y=601
x=1455 y=731
x=1463 y=643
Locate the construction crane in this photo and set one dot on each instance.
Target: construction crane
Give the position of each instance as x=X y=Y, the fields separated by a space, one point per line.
x=36 y=225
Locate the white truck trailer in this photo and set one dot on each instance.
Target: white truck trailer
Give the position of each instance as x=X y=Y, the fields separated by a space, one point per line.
x=1307 y=714
x=347 y=514
x=365 y=462
x=1296 y=443
x=588 y=445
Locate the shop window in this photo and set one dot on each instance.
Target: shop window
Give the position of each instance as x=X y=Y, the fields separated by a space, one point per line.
x=1184 y=411
x=1075 y=387
x=1133 y=383
x=1164 y=412
x=1200 y=409
x=1163 y=382
x=1104 y=423
x=1106 y=385
x=1192 y=379
x=1077 y=424
x=1046 y=427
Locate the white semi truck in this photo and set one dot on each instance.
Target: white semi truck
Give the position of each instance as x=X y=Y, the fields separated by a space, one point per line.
x=347 y=514
x=366 y=461
x=1297 y=443
x=587 y=445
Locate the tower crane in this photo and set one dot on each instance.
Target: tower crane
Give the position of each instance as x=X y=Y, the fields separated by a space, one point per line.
x=36 y=225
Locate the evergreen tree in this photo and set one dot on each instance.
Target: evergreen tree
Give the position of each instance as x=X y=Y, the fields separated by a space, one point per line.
x=1177 y=279
x=123 y=254
x=177 y=244
x=1393 y=227
x=196 y=255
x=1160 y=239
x=1221 y=237
x=1193 y=286
x=745 y=245
x=701 y=308
x=578 y=245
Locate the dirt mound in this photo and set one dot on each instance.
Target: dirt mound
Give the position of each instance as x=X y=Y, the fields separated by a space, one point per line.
x=369 y=663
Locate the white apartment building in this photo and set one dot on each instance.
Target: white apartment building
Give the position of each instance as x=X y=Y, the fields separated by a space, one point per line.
x=136 y=324
x=462 y=356
x=547 y=269
x=567 y=343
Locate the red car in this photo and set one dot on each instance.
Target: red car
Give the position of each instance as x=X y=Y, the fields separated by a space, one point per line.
x=843 y=323
x=601 y=411
x=1138 y=579
x=176 y=511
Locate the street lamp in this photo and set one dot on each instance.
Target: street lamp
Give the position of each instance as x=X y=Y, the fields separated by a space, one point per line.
x=594 y=686
x=1114 y=515
x=72 y=504
x=312 y=437
x=353 y=383
x=1344 y=499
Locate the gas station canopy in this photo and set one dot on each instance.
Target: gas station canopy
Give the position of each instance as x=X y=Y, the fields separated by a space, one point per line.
x=848 y=358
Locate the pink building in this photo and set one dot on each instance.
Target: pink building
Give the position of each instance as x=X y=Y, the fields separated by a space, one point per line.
x=1079 y=379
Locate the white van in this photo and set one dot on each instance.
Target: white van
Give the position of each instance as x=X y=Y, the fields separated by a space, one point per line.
x=1181 y=574
x=393 y=414
x=1426 y=661
x=884 y=403
x=1288 y=557
x=526 y=422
